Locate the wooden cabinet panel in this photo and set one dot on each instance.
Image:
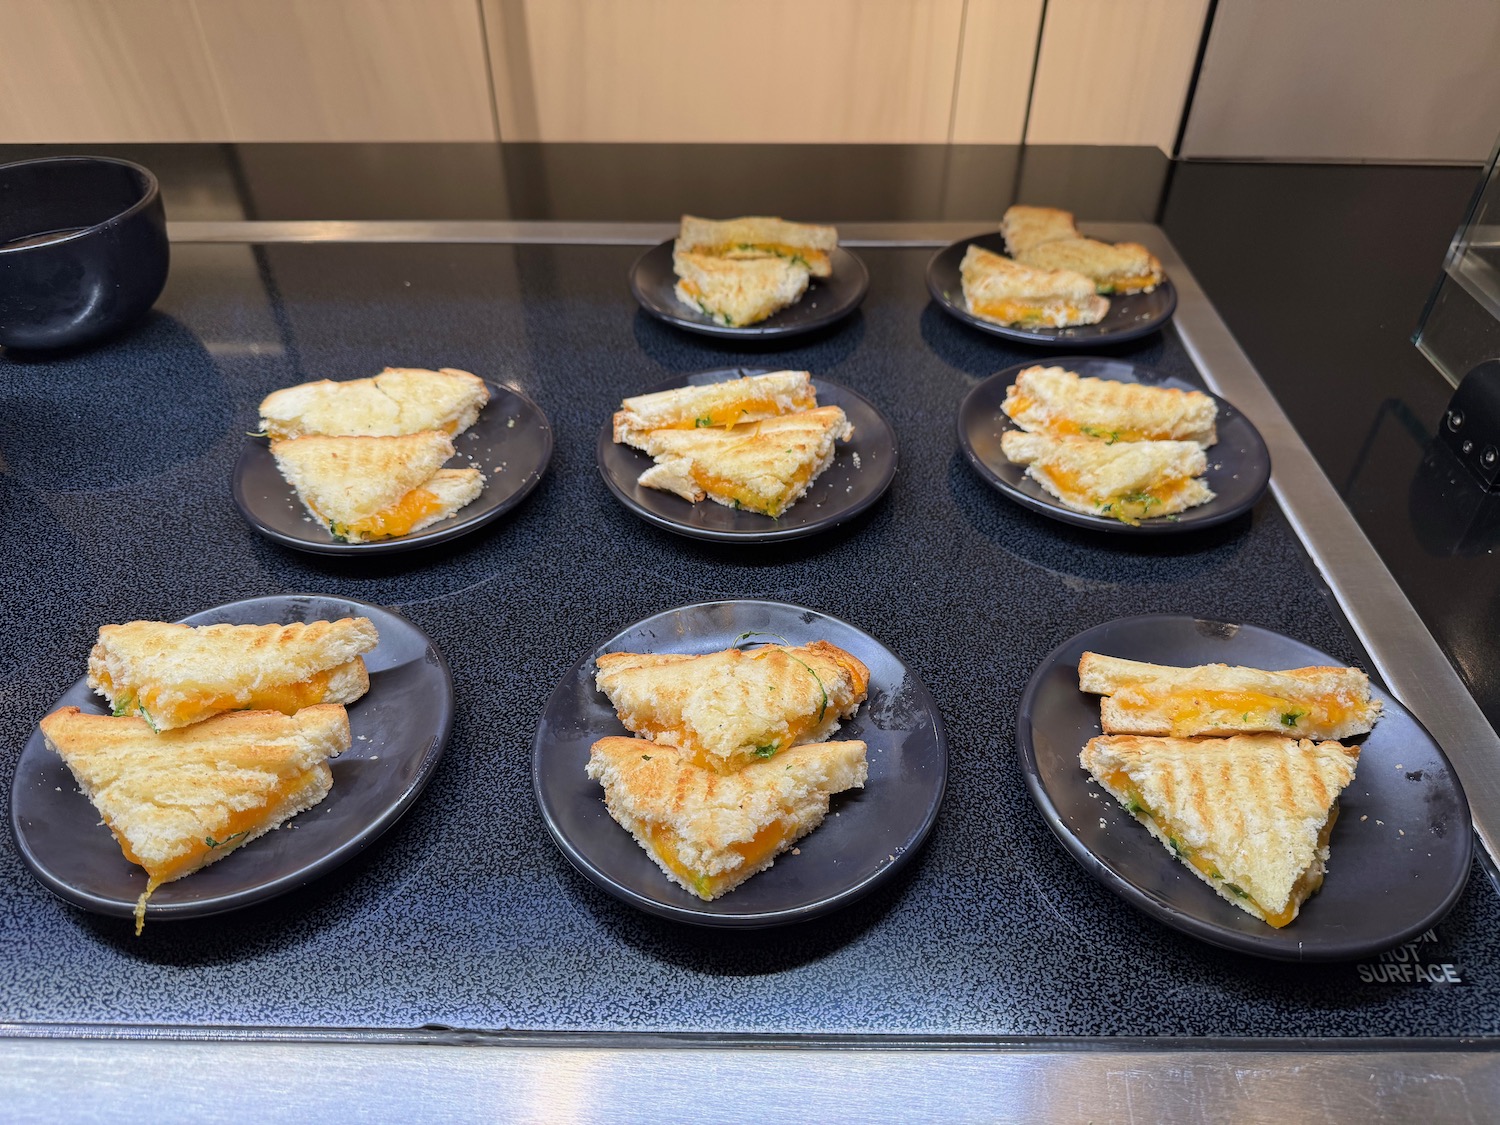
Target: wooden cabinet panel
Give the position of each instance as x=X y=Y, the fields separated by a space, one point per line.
x=728 y=70
x=994 y=71
x=356 y=70
x=1325 y=79
x=1114 y=72
x=82 y=70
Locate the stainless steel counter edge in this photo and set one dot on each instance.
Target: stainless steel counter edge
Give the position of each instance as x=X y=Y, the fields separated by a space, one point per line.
x=218 y=1074
x=576 y=1080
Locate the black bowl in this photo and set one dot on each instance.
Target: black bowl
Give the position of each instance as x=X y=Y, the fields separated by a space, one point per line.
x=83 y=249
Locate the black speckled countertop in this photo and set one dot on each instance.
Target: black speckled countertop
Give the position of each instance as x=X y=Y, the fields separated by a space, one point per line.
x=114 y=494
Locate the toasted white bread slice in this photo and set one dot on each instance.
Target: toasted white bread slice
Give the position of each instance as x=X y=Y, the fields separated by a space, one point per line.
x=364 y=488
x=710 y=832
x=735 y=292
x=1140 y=698
x=1250 y=815
x=759 y=237
x=761 y=467
x=1026 y=227
x=730 y=403
x=181 y=800
x=400 y=400
x=1129 y=481
x=1006 y=292
x=729 y=709
x=175 y=675
x=1121 y=267
x=1056 y=401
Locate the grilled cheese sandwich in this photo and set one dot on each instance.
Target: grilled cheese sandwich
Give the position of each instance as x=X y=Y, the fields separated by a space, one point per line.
x=1141 y=698
x=400 y=400
x=759 y=237
x=729 y=709
x=1119 y=268
x=366 y=488
x=1003 y=291
x=1059 y=402
x=183 y=799
x=1027 y=227
x=175 y=675
x=1128 y=481
x=707 y=831
x=738 y=292
x=1250 y=815
x=751 y=398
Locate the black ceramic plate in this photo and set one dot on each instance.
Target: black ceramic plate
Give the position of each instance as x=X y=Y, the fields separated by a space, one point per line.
x=827 y=298
x=1129 y=318
x=1400 y=851
x=1239 y=465
x=862 y=470
x=869 y=833
x=398 y=732
x=511 y=444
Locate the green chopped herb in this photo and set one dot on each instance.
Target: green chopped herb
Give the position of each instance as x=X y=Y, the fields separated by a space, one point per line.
x=124 y=707
x=1109 y=437
x=212 y=843
x=1289 y=718
x=1182 y=850
x=150 y=722
x=704 y=421
x=766 y=750
x=1236 y=890
x=645 y=757
x=1134 y=807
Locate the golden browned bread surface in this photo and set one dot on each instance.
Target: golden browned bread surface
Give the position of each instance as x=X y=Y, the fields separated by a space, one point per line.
x=174 y=675
x=1121 y=267
x=1026 y=227
x=759 y=236
x=729 y=709
x=400 y=400
x=707 y=831
x=1250 y=814
x=738 y=292
x=1054 y=400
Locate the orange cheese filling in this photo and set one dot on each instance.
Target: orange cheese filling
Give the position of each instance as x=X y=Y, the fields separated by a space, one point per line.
x=224 y=839
x=767 y=842
x=724 y=488
x=730 y=414
x=1133 y=283
x=1028 y=313
x=286 y=698
x=400 y=517
x=813 y=259
x=1237 y=709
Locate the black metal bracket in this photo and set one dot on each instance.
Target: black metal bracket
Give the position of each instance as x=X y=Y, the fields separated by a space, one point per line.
x=1471 y=427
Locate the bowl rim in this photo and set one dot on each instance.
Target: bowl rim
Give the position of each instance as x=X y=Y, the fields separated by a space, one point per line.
x=151 y=195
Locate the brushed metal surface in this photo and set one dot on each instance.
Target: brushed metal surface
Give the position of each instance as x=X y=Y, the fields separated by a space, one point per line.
x=569 y=1079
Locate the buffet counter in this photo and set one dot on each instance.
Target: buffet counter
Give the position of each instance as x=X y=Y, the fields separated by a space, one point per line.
x=461 y=950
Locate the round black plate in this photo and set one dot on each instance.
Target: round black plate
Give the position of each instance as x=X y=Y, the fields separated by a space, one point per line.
x=511 y=444
x=869 y=833
x=1383 y=887
x=827 y=298
x=1129 y=318
x=1239 y=465
x=862 y=470
x=399 y=729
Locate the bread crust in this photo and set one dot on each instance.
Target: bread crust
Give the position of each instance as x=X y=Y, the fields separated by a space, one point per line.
x=738 y=292
x=1119 y=268
x=400 y=400
x=1143 y=698
x=731 y=708
x=751 y=398
x=1128 y=481
x=709 y=832
x=758 y=236
x=1025 y=227
x=1254 y=809
x=1003 y=291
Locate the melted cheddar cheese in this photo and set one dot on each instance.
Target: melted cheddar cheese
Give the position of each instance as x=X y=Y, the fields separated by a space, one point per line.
x=808 y=257
x=400 y=517
x=1132 y=284
x=1028 y=314
x=766 y=843
x=1193 y=710
x=286 y=698
x=733 y=491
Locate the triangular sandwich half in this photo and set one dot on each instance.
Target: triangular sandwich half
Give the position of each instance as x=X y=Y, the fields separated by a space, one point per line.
x=1250 y=815
x=364 y=488
x=1056 y=401
x=1145 y=698
x=729 y=709
x=1026 y=227
x=757 y=237
x=1120 y=267
x=400 y=400
x=738 y=292
x=711 y=832
x=762 y=467
x=174 y=675
x=1128 y=481
x=181 y=800
x=1006 y=292
x=751 y=398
